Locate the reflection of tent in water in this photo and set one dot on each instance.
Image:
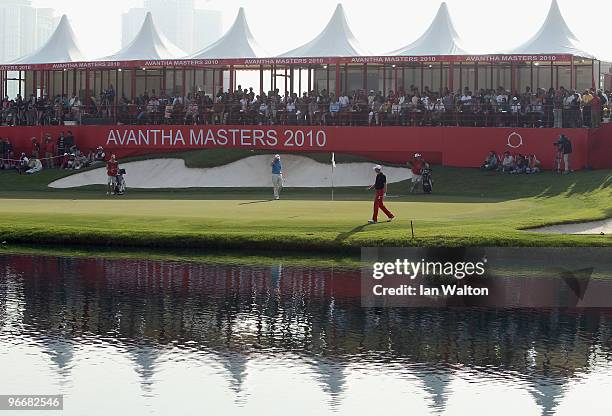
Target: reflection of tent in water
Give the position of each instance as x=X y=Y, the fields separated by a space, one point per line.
x=61 y=352
x=331 y=375
x=436 y=383
x=144 y=357
x=547 y=395
x=235 y=363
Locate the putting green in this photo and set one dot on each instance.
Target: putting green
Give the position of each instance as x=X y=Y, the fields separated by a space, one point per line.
x=468 y=208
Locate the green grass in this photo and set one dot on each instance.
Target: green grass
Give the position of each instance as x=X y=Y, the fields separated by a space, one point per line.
x=468 y=208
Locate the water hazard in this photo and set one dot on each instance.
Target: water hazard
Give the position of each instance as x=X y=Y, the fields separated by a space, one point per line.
x=148 y=337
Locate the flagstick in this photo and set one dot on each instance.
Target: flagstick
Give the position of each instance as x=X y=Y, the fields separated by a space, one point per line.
x=332 y=173
x=332 y=182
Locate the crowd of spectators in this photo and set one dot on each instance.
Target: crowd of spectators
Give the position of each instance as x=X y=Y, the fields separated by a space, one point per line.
x=411 y=107
x=61 y=152
x=509 y=163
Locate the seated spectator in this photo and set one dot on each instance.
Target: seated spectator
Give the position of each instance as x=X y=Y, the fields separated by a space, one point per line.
x=99 y=155
x=520 y=164
x=533 y=165
x=491 y=162
x=34 y=166
x=507 y=164
x=22 y=166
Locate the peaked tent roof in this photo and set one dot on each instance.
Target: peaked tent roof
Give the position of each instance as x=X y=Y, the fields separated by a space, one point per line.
x=553 y=37
x=61 y=47
x=440 y=38
x=149 y=43
x=237 y=42
x=336 y=39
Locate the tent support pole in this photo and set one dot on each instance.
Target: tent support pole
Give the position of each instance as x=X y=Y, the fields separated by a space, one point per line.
x=346 y=79
x=163 y=83
x=42 y=83
x=422 y=75
x=299 y=81
x=87 y=88
x=365 y=77
x=572 y=71
x=261 y=79
x=475 y=77
x=174 y=81
x=599 y=75
x=512 y=78
x=309 y=79
x=34 y=89
x=231 y=78
x=286 y=80
x=450 y=76
x=133 y=86
x=531 y=77
x=592 y=73
x=337 y=80
x=184 y=81
x=384 y=73
x=395 y=79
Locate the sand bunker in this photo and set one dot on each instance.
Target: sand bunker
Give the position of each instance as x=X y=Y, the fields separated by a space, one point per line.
x=253 y=171
x=591 y=227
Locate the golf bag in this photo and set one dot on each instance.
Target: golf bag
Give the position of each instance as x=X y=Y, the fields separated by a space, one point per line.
x=427 y=181
x=120 y=183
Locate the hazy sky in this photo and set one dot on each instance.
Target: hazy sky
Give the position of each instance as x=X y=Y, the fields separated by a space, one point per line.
x=485 y=25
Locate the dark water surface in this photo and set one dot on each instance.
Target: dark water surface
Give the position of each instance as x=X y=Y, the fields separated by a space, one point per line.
x=146 y=337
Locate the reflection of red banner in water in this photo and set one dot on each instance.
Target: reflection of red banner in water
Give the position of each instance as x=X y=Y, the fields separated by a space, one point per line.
x=450 y=146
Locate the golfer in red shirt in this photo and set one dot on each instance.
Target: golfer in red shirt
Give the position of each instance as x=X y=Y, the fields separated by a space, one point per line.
x=380 y=186
x=112 y=168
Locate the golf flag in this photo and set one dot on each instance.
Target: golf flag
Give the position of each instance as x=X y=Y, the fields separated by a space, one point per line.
x=333 y=160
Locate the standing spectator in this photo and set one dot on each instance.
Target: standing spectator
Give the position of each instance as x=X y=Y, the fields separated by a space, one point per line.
x=112 y=168
x=70 y=142
x=35 y=148
x=595 y=111
x=49 y=151
x=564 y=146
x=418 y=164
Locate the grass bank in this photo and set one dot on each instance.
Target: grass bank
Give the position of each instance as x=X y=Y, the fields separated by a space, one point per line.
x=468 y=208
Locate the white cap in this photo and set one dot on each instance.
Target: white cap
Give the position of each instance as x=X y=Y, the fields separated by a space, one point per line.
x=417 y=155
x=276 y=156
x=377 y=167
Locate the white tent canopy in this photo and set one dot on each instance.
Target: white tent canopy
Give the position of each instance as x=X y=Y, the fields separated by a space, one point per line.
x=61 y=47
x=440 y=38
x=238 y=42
x=553 y=37
x=149 y=43
x=336 y=39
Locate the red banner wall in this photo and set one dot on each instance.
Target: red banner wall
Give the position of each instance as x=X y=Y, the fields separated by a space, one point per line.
x=450 y=146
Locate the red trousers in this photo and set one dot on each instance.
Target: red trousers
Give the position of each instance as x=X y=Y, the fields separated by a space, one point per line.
x=378 y=203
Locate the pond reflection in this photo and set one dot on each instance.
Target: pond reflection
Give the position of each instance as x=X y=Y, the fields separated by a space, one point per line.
x=163 y=337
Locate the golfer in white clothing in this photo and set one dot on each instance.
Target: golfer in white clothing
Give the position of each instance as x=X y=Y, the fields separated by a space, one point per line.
x=277 y=176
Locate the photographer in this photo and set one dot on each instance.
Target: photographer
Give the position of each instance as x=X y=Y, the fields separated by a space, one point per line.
x=564 y=150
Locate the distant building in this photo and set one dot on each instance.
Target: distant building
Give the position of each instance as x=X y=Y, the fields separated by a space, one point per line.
x=23 y=29
x=187 y=27
x=206 y=28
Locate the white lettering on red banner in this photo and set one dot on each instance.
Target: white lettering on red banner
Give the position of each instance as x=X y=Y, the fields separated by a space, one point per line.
x=217 y=137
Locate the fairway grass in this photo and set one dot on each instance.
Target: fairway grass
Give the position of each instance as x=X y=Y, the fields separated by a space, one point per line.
x=468 y=208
